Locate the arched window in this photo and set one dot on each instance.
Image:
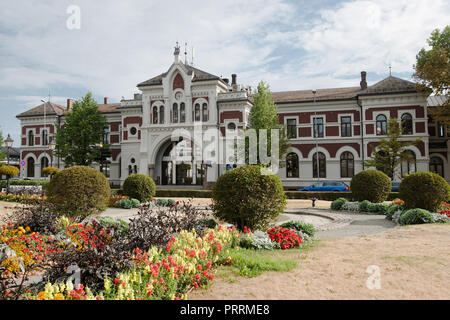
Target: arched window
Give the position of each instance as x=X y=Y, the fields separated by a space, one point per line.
x=322 y=165
x=44 y=137
x=409 y=164
x=182 y=112
x=407 y=124
x=30 y=167
x=44 y=164
x=175 y=113
x=30 y=138
x=347 y=165
x=437 y=166
x=231 y=126
x=155 y=115
x=381 y=125
x=161 y=114
x=292 y=167
x=205 y=112
x=197 y=112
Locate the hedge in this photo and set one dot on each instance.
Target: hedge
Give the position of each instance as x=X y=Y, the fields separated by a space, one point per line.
x=172 y=193
x=24 y=183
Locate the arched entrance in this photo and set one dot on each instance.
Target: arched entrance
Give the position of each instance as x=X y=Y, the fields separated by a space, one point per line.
x=175 y=164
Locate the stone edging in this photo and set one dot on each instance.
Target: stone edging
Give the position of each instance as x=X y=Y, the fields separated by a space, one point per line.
x=337 y=221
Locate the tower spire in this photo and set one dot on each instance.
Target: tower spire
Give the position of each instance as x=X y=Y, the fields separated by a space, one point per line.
x=177 y=53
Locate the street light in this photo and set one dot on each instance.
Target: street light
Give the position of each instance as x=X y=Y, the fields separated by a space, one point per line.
x=51 y=147
x=316 y=134
x=8 y=145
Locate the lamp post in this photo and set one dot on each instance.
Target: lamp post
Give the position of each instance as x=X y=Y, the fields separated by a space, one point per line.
x=316 y=134
x=51 y=147
x=8 y=144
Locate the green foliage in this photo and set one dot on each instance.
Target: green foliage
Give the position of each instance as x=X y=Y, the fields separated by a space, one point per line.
x=425 y=190
x=245 y=197
x=129 y=203
x=389 y=154
x=415 y=216
x=50 y=171
x=79 y=191
x=139 y=186
x=209 y=223
x=372 y=185
x=431 y=71
x=114 y=224
x=2 y=154
x=251 y=263
x=183 y=193
x=337 y=204
x=165 y=202
x=307 y=228
x=264 y=115
x=8 y=170
x=364 y=206
x=393 y=208
x=83 y=130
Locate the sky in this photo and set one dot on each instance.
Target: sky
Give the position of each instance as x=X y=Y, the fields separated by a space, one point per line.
x=69 y=47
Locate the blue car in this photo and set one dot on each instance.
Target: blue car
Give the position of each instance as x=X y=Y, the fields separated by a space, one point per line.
x=395 y=186
x=327 y=186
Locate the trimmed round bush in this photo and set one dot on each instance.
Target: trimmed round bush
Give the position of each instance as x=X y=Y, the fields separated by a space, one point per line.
x=371 y=185
x=337 y=204
x=246 y=198
x=8 y=170
x=415 y=216
x=139 y=186
x=425 y=190
x=364 y=206
x=79 y=191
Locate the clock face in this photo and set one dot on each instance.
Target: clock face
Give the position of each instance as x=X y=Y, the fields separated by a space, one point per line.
x=178 y=95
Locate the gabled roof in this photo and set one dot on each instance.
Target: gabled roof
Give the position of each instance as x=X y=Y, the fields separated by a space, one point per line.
x=56 y=109
x=321 y=94
x=199 y=75
x=390 y=85
x=50 y=109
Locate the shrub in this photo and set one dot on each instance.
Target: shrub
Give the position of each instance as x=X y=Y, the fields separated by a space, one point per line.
x=287 y=238
x=245 y=197
x=257 y=240
x=337 y=204
x=380 y=208
x=425 y=190
x=350 y=206
x=8 y=170
x=393 y=208
x=372 y=185
x=139 y=186
x=79 y=191
x=364 y=206
x=415 y=216
x=307 y=228
x=209 y=223
x=50 y=171
x=165 y=202
x=128 y=203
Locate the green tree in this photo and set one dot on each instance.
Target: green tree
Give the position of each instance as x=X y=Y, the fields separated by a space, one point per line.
x=79 y=140
x=432 y=71
x=389 y=154
x=264 y=115
x=2 y=153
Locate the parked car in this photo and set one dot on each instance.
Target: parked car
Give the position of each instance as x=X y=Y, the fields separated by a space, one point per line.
x=395 y=186
x=327 y=186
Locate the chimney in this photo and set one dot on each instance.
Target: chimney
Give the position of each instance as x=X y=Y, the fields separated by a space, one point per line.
x=363 y=82
x=233 y=79
x=69 y=104
x=233 y=82
x=105 y=100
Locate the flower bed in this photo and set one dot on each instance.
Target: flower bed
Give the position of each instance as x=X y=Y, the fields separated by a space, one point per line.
x=287 y=238
x=24 y=198
x=187 y=262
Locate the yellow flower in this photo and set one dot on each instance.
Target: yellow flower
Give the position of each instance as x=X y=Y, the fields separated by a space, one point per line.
x=59 y=296
x=42 y=295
